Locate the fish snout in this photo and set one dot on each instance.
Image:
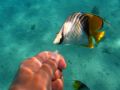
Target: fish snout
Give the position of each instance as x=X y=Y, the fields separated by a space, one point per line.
x=56 y=41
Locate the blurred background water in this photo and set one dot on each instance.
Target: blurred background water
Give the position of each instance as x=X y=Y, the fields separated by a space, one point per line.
x=29 y=26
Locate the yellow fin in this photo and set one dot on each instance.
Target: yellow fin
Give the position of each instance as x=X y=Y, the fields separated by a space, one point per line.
x=99 y=36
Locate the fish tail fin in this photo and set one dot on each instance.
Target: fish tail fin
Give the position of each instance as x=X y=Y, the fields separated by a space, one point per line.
x=99 y=36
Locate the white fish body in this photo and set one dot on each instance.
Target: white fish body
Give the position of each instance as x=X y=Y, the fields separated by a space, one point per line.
x=72 y=30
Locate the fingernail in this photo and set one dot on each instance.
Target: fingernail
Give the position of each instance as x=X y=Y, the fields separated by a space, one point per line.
x=56 y=52
x=53 y=56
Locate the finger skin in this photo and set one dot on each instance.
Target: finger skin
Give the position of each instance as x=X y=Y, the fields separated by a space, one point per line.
x=37 y=73
x=44 y=56
x=23 y=79
x=32 y=63
x=57 y=85
x=57 y=75
x=40 y=80
x=59 y=58
x=62 y=63
x=50 y=67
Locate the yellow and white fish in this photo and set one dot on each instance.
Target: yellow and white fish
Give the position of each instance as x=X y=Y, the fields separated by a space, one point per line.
x=81 y=28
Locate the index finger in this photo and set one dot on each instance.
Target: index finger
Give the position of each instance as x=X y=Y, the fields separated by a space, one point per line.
x=46 y=55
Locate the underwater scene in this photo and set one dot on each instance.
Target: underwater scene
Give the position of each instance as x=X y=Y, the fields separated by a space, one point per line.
x=28 y=27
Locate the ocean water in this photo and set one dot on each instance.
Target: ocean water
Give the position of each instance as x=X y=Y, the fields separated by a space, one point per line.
x=28 y=27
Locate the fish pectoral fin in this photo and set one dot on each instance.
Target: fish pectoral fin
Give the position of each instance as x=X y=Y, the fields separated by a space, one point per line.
x=90 y=42
x=99 y=36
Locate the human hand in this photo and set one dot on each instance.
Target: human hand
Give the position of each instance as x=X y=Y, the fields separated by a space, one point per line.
x=42 y=72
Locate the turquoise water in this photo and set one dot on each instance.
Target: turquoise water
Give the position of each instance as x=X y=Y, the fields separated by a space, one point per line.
x=29 y=26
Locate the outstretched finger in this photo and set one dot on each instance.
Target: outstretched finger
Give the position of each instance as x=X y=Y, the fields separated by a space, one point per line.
x=59 y=58
x=57 y=75
x=32 y=63
x=49 y=67
x=57 y=85
x=46 y=55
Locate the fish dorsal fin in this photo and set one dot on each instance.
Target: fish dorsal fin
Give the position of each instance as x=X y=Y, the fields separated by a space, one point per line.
x=95 y=22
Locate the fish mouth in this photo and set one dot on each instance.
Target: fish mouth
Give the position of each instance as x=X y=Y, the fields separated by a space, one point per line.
x=55 y=41
x=59 y=38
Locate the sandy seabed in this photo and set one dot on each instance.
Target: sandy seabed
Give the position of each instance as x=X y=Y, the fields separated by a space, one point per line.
x=29 y=26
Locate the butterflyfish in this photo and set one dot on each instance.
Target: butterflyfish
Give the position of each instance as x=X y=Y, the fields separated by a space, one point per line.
x=81 y=28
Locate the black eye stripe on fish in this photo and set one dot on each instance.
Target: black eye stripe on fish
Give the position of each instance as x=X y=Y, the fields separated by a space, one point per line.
x=62 y=39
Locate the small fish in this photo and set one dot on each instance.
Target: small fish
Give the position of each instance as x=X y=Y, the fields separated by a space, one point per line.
x=78 y=85
x=81 y=28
